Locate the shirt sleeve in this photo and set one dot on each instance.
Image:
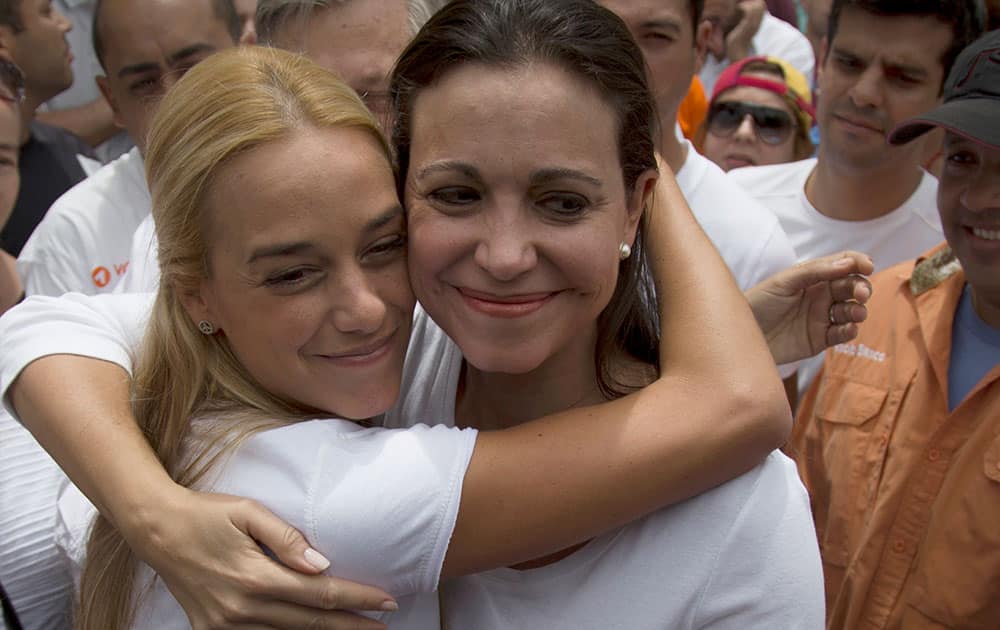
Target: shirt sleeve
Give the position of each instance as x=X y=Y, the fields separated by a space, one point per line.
x=107 y=327
x=768 y=574
x=381 y=504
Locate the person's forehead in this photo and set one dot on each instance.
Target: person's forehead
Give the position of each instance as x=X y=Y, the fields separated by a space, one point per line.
x=907 y=40
x=146 y=31
x=638 y=13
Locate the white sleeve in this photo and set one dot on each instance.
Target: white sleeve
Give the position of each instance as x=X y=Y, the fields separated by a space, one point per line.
x=379 y=503
x=768 y=574
x=46 y=263
x=107 y=327
x=144 y=269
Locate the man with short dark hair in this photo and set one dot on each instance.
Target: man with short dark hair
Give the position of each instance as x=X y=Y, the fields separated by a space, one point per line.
x=884 y=61
x=898 y=440
x=84 y=242
x=34 y=34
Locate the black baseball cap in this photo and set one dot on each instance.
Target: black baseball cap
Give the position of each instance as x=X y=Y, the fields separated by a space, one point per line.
x=971 y=105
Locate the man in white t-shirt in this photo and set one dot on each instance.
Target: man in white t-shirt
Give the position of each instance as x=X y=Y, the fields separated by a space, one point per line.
x=745 y=233
x=83 y=244
x=744 y=28
x=884 y=62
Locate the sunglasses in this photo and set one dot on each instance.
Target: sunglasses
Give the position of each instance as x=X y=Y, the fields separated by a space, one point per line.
x=772 y=125
x=11 y=82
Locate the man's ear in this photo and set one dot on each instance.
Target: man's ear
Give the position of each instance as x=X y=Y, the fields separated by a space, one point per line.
x=701 y=35
x=639 y=201
x=105 y=88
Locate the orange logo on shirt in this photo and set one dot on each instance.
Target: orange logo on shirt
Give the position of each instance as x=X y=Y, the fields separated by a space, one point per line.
x=101 y=277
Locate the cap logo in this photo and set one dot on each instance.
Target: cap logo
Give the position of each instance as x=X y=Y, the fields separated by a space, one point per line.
x=991 y=54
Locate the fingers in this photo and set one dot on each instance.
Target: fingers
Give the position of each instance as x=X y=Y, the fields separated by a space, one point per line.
x=826 y=269
x=278 y=615
x=841 y=334
x=286 y=542
x=853 y=288
x=842 y=313
x=323 y=592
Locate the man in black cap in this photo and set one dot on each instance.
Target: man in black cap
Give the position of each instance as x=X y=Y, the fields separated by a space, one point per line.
x=898 y=439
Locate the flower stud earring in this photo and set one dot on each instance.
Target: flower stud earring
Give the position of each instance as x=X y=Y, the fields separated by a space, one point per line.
x=624 y=251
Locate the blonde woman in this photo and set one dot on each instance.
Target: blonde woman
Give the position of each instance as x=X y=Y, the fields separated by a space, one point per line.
x=274 y=195
x=264 y=206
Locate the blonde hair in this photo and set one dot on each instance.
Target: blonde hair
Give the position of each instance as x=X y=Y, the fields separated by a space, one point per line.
x=227 y=105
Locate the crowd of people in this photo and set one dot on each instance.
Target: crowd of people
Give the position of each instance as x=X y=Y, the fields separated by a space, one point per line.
x=475 y=314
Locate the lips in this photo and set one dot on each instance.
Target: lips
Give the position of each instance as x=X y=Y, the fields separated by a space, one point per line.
x=505 y=306
x=362 y=355
x=860 y=124
x=987 y=234
x=737 y=160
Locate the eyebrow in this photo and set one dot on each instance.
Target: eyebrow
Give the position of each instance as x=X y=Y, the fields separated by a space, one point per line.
x=140 y=68
x=448 y=166
x=661 y=23
x=279 y=250
x=547 y=175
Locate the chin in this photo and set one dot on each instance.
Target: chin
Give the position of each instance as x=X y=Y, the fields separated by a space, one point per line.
x=505 y=360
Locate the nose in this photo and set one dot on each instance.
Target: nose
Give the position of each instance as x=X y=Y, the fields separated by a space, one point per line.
x=506 y=250
x=867 y=90
x=746 y=131
x=358 y=307
x=64 y=24
x=983 y=191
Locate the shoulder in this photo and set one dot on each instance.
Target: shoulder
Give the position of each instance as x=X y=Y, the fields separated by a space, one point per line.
x=774 y=180
x=60 y=139
x=781 y=39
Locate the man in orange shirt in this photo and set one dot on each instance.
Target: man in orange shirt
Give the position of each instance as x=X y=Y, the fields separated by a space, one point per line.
x=898 y=439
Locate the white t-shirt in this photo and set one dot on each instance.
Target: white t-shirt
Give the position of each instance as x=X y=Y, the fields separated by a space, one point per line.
x=743 y=555
x=744 y=231
x=776 y=38
x=84 y=241
x=144 y=268
x=33 y=571
x=381 y=504
x=903 y=234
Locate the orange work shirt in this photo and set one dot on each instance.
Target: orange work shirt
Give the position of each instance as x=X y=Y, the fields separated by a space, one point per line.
x=905 y=494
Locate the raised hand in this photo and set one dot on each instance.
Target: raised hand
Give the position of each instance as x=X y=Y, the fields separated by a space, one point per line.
x=813 y=305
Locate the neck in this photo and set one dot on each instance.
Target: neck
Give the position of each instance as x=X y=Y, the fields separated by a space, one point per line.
x=28 y=108
x=987 y=306
x=848 y=194
x=671 y=150
x=493 y=400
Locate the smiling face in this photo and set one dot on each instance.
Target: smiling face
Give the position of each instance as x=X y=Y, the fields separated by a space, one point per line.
x=743 y=147
x=149 y=45
x=517 y=207
x=878 y=72
x=969 y=204
x=308 y=280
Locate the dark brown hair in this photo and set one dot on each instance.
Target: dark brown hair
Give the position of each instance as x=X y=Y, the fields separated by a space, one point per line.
x=589 y=42
x=965 y=17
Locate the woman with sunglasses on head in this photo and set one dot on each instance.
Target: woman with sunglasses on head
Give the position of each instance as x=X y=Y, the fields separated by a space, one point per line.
x=760 y=113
